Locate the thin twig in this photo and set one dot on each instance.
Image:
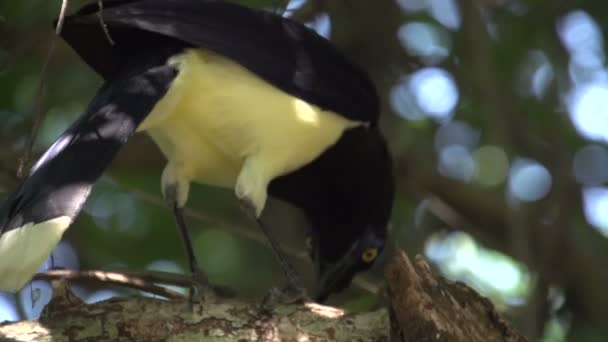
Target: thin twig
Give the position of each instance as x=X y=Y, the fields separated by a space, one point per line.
x=39 y=97
x=38 y=112
x=139 y=281
x=104 y=27
x=159 y=277
x=62 y=12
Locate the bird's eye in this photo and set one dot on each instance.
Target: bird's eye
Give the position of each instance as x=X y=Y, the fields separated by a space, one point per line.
x=369 y=255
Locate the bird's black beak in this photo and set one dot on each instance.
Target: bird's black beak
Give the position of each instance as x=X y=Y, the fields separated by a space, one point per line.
x=334 y=277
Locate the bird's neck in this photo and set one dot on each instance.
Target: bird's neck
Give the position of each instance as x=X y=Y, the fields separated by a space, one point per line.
x=350 y=182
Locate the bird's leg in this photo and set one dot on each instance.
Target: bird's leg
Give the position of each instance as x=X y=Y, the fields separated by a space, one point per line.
x=175 y=189
x=200 y=280
x=251 y=190
x=294 y=292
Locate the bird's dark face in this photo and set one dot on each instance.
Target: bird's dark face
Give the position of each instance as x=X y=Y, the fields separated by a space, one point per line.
x=338 y=261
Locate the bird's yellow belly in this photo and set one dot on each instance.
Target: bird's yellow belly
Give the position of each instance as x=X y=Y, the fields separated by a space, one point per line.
x=199 y=159
x=218 y=114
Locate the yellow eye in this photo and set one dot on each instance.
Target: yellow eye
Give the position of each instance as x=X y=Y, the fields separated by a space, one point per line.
x=369 y=255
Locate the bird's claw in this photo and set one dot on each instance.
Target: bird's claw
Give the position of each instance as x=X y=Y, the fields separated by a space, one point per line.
x=200 y=287
x=289 y=295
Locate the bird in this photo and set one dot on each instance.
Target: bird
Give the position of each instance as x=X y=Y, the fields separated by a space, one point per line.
x=234 y=97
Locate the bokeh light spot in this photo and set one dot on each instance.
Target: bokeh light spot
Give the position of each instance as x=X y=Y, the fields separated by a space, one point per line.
x=435 y=92
x=101 y=295
x=455 y=161
x=8 y=308
x=425 y=40
x=404 y=103
x=596 y=207
x=590 y=165
x=588 y=106
x=460 y=257
x=64 y=256
x=456 y=133
x=117 y=212
x=583 y=38
x=536 y=74
x=491 y=165
x=446 y=12
x=529 y=181
x=34 y=297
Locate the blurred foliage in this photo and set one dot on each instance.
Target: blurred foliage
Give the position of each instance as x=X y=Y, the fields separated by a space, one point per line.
x=495 y=111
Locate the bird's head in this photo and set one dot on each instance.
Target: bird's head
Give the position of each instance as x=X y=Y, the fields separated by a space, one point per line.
x=347 y=195
x=338 y=259
x=350 y=214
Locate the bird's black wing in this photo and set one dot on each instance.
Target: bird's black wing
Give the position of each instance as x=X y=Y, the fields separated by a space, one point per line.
x=61 y=180
x=283 y=52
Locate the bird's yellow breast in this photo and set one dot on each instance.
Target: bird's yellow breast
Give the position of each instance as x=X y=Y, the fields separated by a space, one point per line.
x=217 y=114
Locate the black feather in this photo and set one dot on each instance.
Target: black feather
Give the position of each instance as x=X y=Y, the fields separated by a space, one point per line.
x=283 y=52
x=61 y=180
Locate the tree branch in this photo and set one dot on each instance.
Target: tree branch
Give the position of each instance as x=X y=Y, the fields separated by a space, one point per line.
x=139 y=281
x=67 y=318
x=429 y=308
x=425 y=308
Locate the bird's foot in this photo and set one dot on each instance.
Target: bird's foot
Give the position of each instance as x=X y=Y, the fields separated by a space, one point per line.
x=289 y=295
x=201 y=288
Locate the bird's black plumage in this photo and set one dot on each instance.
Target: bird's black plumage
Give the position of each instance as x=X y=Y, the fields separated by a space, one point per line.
x=61 y=180
x=345 y=190
x=282 y=51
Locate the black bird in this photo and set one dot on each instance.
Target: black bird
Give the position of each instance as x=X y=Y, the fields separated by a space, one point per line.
x=234 y=97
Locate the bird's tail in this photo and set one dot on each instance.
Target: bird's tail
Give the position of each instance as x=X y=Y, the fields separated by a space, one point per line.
x=35 y=216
